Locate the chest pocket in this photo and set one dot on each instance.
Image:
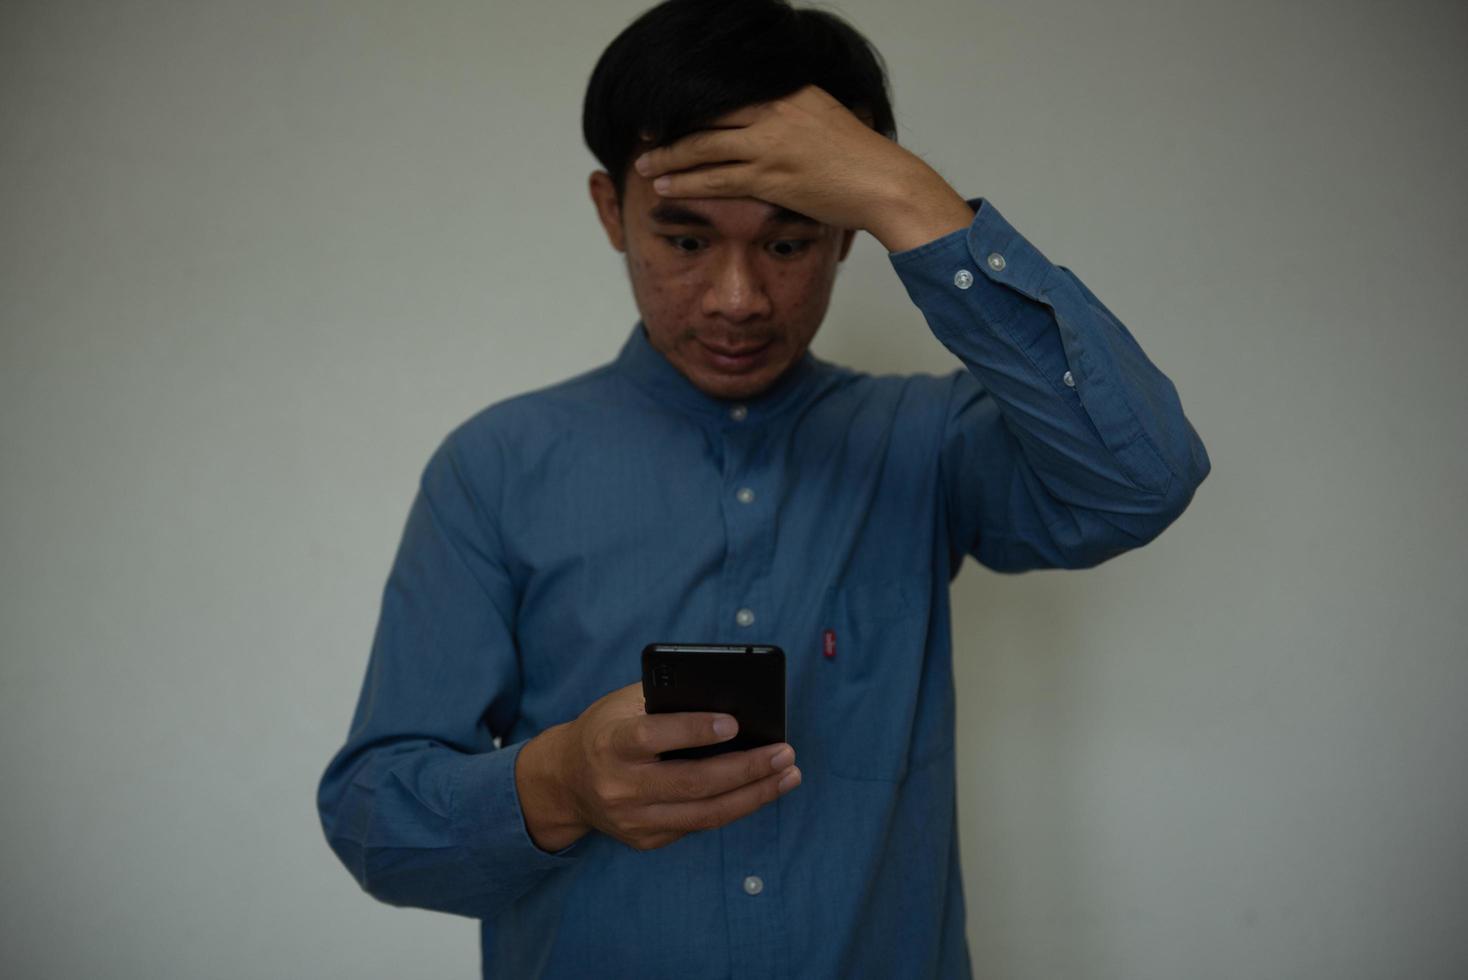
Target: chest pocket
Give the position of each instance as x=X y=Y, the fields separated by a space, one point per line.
x=868 y=660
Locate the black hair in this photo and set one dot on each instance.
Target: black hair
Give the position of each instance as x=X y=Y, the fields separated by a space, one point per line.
x=684 y=63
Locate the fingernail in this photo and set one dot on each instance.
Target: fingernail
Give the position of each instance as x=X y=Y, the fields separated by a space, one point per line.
x=791 y=780
x=725 y=726
x=641 y=164
x=661 y=184
x=782 y=758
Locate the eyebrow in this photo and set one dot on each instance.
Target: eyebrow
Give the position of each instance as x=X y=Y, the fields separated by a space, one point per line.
x=668 y=213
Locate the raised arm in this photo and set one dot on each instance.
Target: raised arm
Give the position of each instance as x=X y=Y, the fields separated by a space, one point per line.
x=1065 y=445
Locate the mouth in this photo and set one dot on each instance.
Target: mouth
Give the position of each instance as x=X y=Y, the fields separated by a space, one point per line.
x=735 y=359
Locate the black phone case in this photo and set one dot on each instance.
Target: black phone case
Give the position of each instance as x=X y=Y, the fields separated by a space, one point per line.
x=746 y=681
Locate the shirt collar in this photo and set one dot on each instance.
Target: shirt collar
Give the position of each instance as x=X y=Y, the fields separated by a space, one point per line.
x=646 y=366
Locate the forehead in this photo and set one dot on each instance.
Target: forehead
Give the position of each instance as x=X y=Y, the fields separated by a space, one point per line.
x=722 y=210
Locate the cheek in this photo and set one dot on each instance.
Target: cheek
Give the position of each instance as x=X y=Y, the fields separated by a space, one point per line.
x=661 y=291
x=804 y=293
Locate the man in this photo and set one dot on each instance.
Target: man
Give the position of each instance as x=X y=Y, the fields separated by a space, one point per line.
x=718 y=483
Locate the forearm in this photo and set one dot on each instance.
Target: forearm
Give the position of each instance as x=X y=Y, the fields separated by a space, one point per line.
x=1073 y=446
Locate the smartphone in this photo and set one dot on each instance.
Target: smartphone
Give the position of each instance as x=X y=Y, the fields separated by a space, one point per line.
x=747 y=682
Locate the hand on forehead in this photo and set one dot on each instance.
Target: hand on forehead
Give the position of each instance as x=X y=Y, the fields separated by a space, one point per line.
x=805 y=152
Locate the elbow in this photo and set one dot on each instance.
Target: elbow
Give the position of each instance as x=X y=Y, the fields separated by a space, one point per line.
x=1183 y=485
x=1084 y=537
x=439 y=880
x=345 y=827
x=402 y=858
x=1093 y=537
x=1150 y=515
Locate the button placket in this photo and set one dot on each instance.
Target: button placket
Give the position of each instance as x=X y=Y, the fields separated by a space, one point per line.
x=748 y=610
x=748 y=532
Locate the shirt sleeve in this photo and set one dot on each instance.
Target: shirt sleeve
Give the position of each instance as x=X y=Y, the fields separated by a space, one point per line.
x=1064 y=445
x=419 y=804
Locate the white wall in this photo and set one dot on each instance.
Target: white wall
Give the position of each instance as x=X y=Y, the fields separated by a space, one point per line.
x=257 y=258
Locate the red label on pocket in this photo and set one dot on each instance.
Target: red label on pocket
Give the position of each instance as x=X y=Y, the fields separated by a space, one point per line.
x=828 y=643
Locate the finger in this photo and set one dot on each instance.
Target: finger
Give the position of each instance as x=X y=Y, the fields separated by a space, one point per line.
x=746 y=116
x=642 y=738
x=725 y=808
x=682 y=780
x=734 y=180
x=704 y=146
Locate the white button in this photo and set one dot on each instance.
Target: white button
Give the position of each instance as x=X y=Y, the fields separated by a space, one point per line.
x=963 y=279
x=745 y=495
x=744 y=617
x=996 y=261
x=738 y=413
x=1069 y=381
x=753 y=885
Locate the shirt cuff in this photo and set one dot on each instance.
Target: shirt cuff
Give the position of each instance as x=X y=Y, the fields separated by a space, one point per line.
x=988 y=258
x=988 y=276
x=487 y=810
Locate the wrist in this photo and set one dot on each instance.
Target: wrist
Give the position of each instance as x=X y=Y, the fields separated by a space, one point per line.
x=920 y=211
x=545 y=799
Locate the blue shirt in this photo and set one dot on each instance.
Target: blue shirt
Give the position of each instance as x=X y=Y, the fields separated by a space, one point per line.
x=556 y=533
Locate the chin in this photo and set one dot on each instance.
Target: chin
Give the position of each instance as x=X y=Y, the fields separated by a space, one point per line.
x=735 y=387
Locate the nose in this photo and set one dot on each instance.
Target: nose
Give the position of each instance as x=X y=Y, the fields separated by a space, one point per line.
x=736 y=292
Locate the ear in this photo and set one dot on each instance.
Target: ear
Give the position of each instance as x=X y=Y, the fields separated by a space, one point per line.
x=847 y=237
x=608 y=208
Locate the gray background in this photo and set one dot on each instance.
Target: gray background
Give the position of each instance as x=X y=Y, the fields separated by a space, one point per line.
x=256 y=259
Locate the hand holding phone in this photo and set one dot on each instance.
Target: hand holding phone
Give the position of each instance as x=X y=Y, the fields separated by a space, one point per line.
x=747 y=682
x=602 y=771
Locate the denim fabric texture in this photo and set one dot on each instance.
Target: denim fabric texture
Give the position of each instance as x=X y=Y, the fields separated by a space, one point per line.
x=554 y=534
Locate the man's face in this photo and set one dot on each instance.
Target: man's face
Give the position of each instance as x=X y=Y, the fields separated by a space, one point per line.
x=731 y=290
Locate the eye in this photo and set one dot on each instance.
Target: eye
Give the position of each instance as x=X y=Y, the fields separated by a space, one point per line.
x=687 y=244
x=788 y=248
